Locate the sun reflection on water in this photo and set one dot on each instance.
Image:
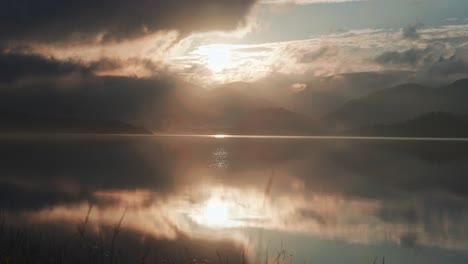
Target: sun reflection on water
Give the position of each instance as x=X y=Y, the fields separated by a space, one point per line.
x=235 y=211
x=215 y=213
x=227 y=209
x=220 y=159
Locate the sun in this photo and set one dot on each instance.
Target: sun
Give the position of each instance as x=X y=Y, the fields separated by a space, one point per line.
x=217 y=57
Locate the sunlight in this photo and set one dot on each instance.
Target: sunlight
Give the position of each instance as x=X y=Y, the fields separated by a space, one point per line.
x=215 y=213
x=229 y=208
x=219 y=136
x=218 y=57
x=224 y=63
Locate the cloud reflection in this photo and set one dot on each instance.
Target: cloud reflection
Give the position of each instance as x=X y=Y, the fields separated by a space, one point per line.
x=390 y=193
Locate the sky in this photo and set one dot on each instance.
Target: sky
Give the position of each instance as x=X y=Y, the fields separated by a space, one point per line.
x=58 y=55
x=214 y=42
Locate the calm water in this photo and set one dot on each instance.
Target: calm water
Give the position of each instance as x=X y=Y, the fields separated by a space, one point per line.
x=319 y=200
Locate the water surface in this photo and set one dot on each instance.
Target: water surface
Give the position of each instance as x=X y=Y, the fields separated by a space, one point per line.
x=312 y=200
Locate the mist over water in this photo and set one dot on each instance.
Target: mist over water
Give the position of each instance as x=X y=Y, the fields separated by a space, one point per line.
x=402 y=200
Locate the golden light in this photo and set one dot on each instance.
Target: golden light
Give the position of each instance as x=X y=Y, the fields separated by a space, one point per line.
x=219 y=136
x=217 y=57
x=229 y=208
x=215 y=213
x=225 y=63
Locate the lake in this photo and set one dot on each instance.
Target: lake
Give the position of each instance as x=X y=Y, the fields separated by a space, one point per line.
x=238 y=200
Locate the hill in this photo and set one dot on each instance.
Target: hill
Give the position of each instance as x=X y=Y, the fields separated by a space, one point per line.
x=317 y=96
x=13 y=122
x=275 y=121
x=400 y=103
x=434 y=124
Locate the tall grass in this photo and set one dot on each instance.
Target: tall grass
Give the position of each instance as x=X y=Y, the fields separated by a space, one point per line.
x=57 y=243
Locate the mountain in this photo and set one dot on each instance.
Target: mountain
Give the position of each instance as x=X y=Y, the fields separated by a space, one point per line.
x=275 y=121
x=13 y=122
x=209 y=111
x=325 y=94
x=317 y=96
x=157 y=104
x=400 y=103
x=434 y=124
x=174 y=106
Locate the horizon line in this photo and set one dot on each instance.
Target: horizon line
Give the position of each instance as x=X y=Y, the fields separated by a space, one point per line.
x=231 y=136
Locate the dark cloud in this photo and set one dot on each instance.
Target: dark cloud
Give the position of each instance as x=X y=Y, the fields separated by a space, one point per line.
x=451 y=66
x=411 y=31
x=409 y=57
x=24 y=66
x=110 y=20
x=435 y=59
x=16 y=66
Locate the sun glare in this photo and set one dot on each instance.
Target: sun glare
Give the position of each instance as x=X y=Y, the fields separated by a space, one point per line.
x=219 y=136
x=229 y=208
x=217 y=57
x=214 y=213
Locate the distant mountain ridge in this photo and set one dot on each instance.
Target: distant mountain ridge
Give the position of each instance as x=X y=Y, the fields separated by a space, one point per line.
x=14 y=122
x=325 y=105
x=405 y=110
x=275 y=121
x=400 y=103
x=434 y=124
x=319 y=95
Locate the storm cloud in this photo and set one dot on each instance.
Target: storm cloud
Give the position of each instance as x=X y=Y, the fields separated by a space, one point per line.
x=109 y=20
x=411 y=31
x=17 y=66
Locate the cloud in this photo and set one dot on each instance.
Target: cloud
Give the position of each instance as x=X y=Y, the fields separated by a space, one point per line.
x=110 y=20
x=435 y=59
x=298 y=87
x=386 y=194
x=329 y=54
x=411 y=31
x=306 y=2
x=25 y=66
x=253 y=49
x=411 y=57
x=324 y=51
x=450 y=66
x=17 y=66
